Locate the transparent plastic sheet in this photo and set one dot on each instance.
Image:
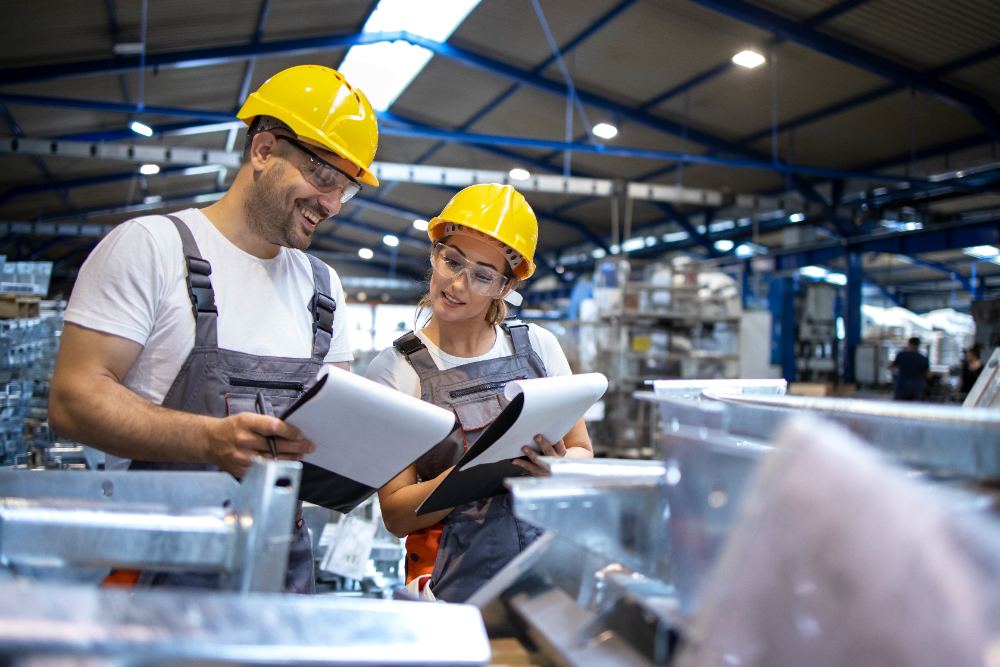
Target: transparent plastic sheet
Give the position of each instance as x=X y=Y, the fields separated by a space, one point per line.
x=839 y=559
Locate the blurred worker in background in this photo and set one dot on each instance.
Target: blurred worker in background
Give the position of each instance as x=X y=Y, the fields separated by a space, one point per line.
x=177 y=322
x=972 y=367
x=912 y=372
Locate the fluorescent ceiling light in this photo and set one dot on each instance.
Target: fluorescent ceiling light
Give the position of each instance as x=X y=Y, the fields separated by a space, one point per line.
x=650 y=241
x=633 y=244
x=748 y=59
x=365 y=253
x=152 y=199
x=149 y=169
x=520 y=174
x=796 y=217
x=203 y=169
x=390 y=240
x=744 y=251
x=982 y=251
x=139 y=128
x=598 y=253
x=836 y=278
x=128 y=48
x=673 y=237
x=813 y=271
x=725 y=245
x=605 y=131
x=384 y=70
x=211 y=196
x=421 y=225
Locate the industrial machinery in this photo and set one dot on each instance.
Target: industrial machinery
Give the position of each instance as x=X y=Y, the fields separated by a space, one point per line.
x=773 y=530
x=198 y=521
x=776 y=530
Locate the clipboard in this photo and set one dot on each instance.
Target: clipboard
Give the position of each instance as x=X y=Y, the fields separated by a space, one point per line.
x=365 y=434
x=550 y=406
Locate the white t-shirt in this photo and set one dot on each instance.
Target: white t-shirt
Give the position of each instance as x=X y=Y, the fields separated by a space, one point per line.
x=133 y=285
x=391 y=368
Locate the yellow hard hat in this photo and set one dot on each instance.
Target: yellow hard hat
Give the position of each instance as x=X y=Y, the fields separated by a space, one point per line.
x=498 y=211
x=319 y=104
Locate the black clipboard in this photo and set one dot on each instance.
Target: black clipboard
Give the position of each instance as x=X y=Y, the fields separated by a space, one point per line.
x=481 y=481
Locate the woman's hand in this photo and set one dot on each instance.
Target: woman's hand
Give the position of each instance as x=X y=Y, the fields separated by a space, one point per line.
x=535 y=467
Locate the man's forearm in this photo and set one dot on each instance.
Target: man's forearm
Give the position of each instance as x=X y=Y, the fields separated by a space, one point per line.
x=114 y=419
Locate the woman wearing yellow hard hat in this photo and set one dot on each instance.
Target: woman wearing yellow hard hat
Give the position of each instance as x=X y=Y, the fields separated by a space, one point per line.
x=483 y=246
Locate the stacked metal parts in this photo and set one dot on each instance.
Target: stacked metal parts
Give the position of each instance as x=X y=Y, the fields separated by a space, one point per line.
x=195 y=522
x=29 y=342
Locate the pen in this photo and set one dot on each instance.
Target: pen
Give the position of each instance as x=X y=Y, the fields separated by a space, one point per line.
x=262 y=409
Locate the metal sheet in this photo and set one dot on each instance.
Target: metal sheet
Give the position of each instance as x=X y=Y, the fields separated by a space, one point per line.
x=178 y=489
x=553 y=621
x=694 y=388
x=839 y=559
x=622 y=518
x=191 y=627
x=60 y=533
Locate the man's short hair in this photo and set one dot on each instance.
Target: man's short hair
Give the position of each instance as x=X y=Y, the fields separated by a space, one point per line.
x=914 y=342
x=257 y=125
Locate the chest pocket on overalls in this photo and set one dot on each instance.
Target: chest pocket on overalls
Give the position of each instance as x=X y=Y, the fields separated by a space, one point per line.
x=478 y=413
x=241 y=394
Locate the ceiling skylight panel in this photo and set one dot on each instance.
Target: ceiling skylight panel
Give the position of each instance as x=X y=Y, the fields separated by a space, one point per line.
x=384 y=70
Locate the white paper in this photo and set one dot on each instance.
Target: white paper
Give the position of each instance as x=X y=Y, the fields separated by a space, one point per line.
x=366 y=431
x=351 y=547
x=551 y=407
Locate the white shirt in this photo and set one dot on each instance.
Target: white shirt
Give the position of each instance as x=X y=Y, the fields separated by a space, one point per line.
x=134 y=285
x=391 y=368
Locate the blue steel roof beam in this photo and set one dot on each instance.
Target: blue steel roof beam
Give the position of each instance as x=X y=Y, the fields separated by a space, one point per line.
x=218 y=55
x=69 y=184
x=872 y=95
x=725 y=66
x=117 y=107
x=18 y=132
x=785 y=28
x=686 y=225
x=248 y=73
x=504 y=96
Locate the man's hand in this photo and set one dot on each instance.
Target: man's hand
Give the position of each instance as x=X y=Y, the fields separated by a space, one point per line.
x=233 y=441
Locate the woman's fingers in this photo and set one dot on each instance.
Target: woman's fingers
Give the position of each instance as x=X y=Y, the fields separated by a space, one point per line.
x=550 y=449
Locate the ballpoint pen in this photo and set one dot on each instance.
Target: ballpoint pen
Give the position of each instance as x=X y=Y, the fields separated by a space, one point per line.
x=263 y=409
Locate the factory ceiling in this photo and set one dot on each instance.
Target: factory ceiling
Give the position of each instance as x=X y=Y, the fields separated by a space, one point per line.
x=854 y=95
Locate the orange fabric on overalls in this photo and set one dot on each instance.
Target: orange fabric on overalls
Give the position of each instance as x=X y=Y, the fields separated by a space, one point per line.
x=121 y=579
x=422 y=545
x=421 y=551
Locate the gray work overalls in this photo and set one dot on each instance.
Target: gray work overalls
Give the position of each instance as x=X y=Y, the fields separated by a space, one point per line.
x=478 y=538
x=219 y=383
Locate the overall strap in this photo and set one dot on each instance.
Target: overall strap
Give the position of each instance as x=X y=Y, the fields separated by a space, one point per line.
x=199 y=288
x=519 y=336
x=323 y=308
x=411 y=347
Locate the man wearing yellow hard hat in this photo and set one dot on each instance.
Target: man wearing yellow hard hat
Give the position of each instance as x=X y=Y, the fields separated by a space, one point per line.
x=483 y=246
x=178 y=325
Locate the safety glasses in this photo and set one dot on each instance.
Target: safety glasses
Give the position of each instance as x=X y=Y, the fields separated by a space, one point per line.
x=450 y=263
x=322 y=175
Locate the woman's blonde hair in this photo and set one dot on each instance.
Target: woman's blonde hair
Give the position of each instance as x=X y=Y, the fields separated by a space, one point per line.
x=495 y=314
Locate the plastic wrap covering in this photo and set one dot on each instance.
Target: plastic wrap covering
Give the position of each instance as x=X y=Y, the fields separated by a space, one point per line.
x=840 y=559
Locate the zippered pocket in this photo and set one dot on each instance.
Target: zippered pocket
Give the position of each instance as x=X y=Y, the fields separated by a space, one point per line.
x=489 y=386
x=265 y=384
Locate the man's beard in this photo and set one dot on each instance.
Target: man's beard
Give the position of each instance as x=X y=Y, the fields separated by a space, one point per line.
x=270 y=211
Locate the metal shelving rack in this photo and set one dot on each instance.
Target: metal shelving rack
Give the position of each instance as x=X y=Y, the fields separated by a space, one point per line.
x=651 y=330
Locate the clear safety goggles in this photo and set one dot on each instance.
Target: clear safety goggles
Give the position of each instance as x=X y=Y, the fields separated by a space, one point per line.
x=450 y=263
x=322 y=175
